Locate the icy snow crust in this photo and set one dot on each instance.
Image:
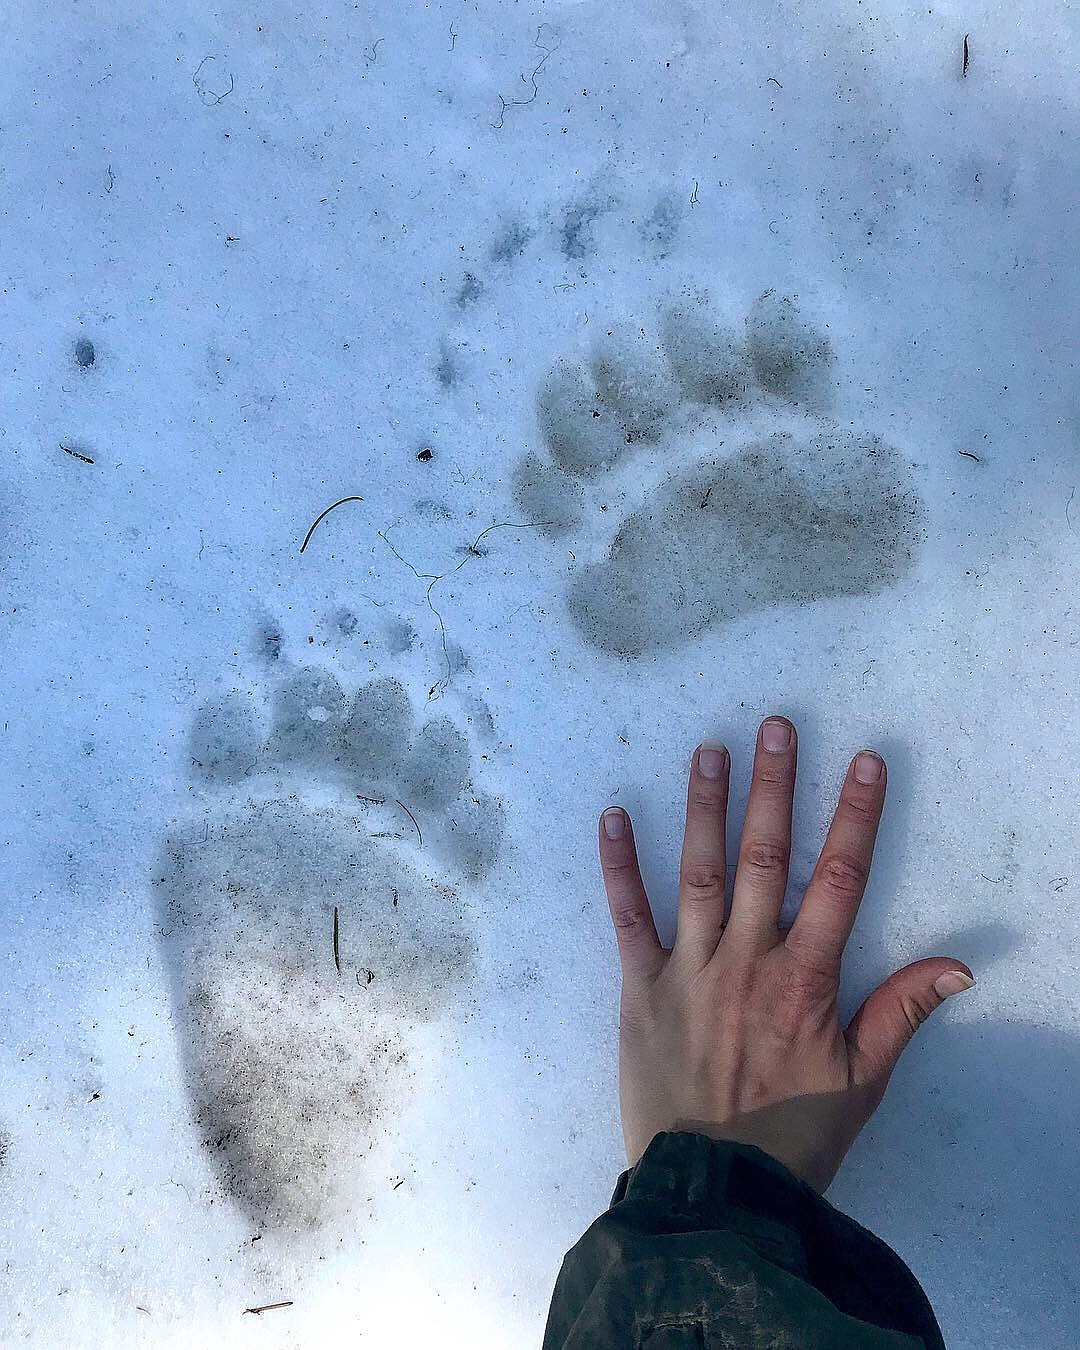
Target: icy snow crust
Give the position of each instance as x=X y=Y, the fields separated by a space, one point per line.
x=421 y=426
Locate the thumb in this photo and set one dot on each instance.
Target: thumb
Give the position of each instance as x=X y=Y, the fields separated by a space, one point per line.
x=881 y=1030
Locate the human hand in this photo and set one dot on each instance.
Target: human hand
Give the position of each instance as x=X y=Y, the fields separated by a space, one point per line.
x=734 y=1032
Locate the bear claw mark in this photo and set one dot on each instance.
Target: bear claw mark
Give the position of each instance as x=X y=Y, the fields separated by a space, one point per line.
x=706 y=357
x=789 y=355
x=223 y=738
x=547 y=495
x=584 y=435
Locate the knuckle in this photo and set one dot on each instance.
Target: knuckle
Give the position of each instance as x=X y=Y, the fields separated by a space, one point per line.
x=808 y=969
x=637 y=1006
x=634 y=1019
x=741 y=979
x=800 y=993
x=628 y=919
x=702 y=878
x=915 y=1010
x=616 y=869
x=860 y=807
x=706 y=799
x=809 y=976
x=842 y=876
x=765 y=855
x=772 y=775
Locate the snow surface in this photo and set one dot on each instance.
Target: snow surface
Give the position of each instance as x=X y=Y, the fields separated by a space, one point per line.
x=256 y=259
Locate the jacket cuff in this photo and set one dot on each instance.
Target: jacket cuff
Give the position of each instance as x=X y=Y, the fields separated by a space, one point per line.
x=702 y=1183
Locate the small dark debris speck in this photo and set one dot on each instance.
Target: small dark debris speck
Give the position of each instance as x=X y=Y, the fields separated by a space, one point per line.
x=425 y=454
x=84 y=353
x=75 y=454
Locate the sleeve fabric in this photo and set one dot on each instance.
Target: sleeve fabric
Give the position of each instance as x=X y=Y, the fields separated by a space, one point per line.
x=711 y=1244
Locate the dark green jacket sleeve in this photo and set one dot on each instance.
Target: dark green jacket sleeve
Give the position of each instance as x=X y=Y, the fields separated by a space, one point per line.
x=710 y=1244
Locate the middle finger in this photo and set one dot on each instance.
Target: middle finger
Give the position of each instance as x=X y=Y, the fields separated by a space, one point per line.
x=765 y=849
x=702 y=869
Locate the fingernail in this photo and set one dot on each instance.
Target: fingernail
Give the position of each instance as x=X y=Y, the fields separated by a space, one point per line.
x=952 y=982
x=711 y=758
x=775 y=736
x=867 y=767
x=614 y=822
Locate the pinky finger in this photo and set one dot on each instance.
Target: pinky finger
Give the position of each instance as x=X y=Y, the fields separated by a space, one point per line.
x=640 y=952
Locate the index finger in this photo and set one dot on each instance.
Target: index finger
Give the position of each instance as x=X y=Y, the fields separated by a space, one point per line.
x=820 y=932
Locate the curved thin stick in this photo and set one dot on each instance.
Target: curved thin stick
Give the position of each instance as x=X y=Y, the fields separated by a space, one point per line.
x=310 y=532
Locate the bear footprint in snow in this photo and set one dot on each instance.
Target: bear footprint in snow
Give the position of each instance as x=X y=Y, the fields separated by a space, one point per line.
x=787 y=517
x=304 y=946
